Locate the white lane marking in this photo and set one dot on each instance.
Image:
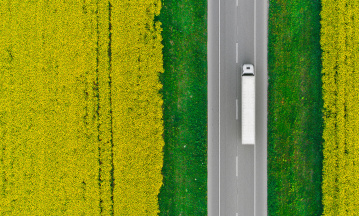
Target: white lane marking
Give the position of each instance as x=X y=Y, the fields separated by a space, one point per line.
x=236 y=52
x=255 y=184
x=255 y=36
x=237 y=166
x=219 y=108
x=236 y=109
x=255 y=63
x=237 y=3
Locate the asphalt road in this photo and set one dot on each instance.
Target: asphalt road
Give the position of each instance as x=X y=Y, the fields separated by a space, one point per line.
x=237 y=174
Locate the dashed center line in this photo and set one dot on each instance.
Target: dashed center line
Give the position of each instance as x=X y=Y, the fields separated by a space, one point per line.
x=237 y=166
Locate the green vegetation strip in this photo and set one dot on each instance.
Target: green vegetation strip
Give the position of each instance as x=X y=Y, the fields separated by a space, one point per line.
x=185 y=107
x=294 y=108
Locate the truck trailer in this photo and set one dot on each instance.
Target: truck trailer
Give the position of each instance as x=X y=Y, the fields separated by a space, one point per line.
x=248 y=105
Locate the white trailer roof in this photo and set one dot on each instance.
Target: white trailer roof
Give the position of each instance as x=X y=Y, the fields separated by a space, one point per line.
x=248 y=110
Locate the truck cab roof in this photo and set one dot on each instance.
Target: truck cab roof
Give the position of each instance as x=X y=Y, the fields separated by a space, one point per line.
x=248 y=69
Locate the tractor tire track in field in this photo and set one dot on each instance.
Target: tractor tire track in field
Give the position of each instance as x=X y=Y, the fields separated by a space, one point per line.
x=101 y=138
x=111 y=117
x=97 y=110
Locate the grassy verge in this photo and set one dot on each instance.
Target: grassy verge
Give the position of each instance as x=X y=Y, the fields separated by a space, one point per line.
x=294 y=105
x=184 y=92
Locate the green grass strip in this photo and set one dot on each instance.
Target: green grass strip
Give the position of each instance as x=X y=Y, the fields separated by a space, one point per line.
x=184 y=190
x=294 y=108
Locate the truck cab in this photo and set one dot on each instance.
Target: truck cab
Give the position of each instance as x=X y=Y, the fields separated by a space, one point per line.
x=248 y=69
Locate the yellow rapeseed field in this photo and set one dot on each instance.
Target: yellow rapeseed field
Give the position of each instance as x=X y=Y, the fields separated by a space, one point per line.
x=340 y=45
x=136 y=64
x=80 y=114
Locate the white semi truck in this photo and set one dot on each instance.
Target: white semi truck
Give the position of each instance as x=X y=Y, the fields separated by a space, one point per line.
x=248 y=105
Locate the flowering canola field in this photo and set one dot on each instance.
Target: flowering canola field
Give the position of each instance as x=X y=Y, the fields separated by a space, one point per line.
x=339 y=41
x=80 y=113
